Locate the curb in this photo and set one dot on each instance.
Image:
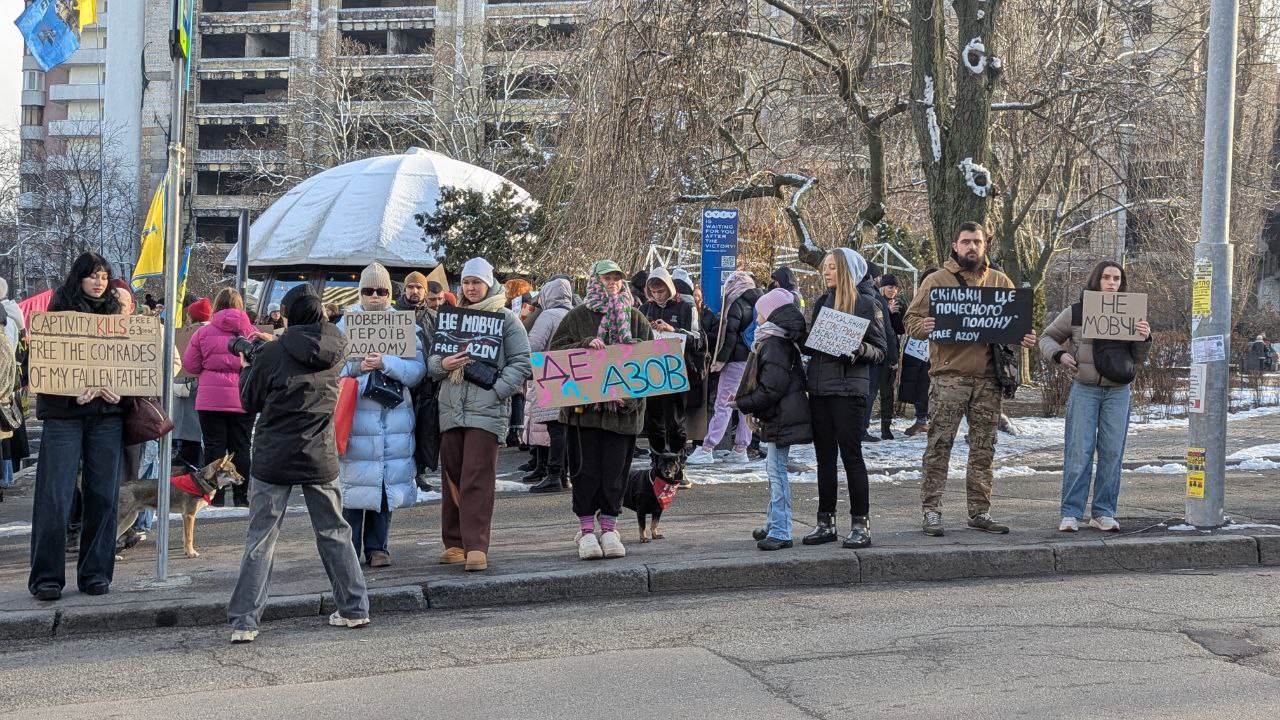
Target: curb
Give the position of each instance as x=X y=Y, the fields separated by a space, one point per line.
x=843 y=568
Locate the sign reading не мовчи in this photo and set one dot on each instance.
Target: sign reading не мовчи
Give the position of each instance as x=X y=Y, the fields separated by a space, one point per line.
x=72 y=352
x=980 y=314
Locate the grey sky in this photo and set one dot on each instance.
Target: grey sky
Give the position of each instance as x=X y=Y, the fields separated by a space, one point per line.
x=10 y=65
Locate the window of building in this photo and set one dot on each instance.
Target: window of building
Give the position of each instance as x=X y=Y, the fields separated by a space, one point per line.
x=32 y=115
x=32 y=80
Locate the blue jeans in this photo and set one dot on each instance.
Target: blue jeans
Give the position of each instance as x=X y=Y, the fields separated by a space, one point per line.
x=778 y=521
x=370 y=530
x=7 y=479
x=1097 y=420
x=98 y=441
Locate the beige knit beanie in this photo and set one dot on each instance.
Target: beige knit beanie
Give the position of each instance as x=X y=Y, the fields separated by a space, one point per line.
x=375 y=276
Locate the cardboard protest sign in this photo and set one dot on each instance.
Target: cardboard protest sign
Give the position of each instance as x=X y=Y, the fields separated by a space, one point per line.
x=581 y=376
x=72 y=352
x=181 y=339
x=391 y=333
x=918 y=349
x=980 y=314
x=479 y=332
x=1112 y=315
x=837 y=333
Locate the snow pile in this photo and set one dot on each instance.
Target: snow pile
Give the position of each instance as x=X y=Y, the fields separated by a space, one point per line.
x=1257 y=452
x=1013 y=471
x=1166 y=469
x=1250 y=526
x=935 y=134
x=977 y=177
x=1182 y=528
x=1258 y=464
x=974 y=56
x=15 y=529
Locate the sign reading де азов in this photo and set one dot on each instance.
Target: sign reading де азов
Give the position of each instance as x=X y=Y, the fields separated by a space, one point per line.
x=479 y=333
x=581 y=376
x=980 y=314
x=72 y=352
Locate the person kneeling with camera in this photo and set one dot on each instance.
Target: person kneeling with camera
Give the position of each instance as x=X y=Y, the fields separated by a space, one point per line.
x=293 y=383
x=378 y=468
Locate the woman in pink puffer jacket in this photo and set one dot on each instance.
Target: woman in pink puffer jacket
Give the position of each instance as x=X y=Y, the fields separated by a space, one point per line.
x=223 y=422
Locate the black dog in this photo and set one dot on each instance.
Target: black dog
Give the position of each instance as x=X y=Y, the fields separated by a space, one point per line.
x=651 y=490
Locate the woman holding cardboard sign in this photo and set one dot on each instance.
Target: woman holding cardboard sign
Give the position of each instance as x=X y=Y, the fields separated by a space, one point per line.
x=601 y=436
x=88 y=428
x=839 y=391
x=1098 y=408
x=475 y=409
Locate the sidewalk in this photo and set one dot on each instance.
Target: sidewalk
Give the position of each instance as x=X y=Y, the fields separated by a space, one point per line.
x=707 y=547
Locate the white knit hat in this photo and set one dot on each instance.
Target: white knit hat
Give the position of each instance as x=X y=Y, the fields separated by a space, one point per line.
x=480 y=269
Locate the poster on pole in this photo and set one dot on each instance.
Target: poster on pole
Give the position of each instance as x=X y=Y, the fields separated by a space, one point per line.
x=1210 y=348
x=980 y=314
x=391 y=332
x=719 y=253
x=479 y=333
x=1195 y=472
x=1195 y=387
x=72 y=352
x=1112 y=315
x=836 y=333
x=581 y=376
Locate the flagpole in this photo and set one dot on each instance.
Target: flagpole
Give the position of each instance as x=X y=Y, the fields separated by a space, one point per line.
x=173 y=239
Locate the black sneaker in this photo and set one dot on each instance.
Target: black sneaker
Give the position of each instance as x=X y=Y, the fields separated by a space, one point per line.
x=933 y=524
x=99 y=588
x=531 y=465
x=984 y=523
x=548 y=485
x=868 y=437
x=533 y=477
x=773 y=543
x=48 y=593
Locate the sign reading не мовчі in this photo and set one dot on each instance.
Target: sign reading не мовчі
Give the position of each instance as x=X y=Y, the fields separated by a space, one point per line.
x=480 y=333
x=980 y=314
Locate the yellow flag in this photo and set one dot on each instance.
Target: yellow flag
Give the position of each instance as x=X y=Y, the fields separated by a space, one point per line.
x=151 y=258
x=88 y=12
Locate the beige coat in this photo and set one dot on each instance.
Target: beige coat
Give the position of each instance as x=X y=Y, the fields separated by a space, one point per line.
x=962 y=359
x=1061 y=331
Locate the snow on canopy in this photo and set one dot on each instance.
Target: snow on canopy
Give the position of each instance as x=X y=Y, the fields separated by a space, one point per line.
x=362 y=212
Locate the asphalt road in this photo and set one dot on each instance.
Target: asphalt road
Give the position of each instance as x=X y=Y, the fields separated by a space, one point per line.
x=1142 y=645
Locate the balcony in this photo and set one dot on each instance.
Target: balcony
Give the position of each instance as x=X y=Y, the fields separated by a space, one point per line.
x=235 y=113
x=386 y=18
x=31 y=132
x=512 y=9
x=74 y=128
x=63 y=93
x=388 y=62
x=240 y=157
x=88 y=56
x=30 y=201
x=227 y=205
x=253 y=21
x=247 y=67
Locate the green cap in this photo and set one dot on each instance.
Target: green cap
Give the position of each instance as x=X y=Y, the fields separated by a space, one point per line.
x=603 y=267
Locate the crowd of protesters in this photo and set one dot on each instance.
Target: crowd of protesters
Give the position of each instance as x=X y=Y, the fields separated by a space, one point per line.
x=753 y=383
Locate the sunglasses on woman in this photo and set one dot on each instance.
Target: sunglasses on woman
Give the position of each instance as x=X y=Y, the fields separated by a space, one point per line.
x=381 y=292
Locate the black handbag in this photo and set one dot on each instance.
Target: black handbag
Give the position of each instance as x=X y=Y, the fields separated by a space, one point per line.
x=1113 y=361
x=384 y=389
x=482 y=374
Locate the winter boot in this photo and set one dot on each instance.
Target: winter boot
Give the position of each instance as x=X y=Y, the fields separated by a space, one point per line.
x=825 y=531
x=859 y=535
x=917 y=428
x=540 y=465
x=886 y=432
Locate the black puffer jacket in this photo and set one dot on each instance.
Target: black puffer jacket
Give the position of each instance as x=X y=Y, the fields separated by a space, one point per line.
x=737 y=318
x=779 y=401
x=892 y=329
x=294 y=384
x=831 y=376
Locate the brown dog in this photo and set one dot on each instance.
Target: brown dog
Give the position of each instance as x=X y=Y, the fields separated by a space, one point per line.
x=139 y=495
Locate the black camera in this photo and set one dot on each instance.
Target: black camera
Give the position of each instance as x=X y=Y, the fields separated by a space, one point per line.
x=244 y=346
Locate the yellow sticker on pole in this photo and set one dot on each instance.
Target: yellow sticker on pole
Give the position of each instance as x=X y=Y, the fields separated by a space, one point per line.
x=1195 y=472
x=1201 y=289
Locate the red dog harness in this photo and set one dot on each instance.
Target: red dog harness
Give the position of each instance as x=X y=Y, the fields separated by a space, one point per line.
x=187 y=484
x=664 y=491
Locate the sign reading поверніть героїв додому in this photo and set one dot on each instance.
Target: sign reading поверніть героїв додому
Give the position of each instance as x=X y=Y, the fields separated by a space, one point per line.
x=72 y=352
x=390 y=332
x=980 y=314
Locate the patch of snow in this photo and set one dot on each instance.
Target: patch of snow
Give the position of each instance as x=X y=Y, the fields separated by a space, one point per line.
x=510 y=486
x=931 y=114
x=1166 y=469
x=996 y=63
x=975 y=49
x=1258 y=464
x=1182 y=528
x=1256 y=452
x=1250 y=526
x=14 y=529
x=899 y=476
x=1013 y=471
x=972 y=173
x=426 y=497
x=982 y=14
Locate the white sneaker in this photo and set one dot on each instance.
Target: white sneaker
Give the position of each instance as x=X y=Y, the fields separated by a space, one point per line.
x=588 y=546
x=337 y=620
x=721 y=454
x=1105 y=524
x=1068 y=524
x=243 y=636
x=611 y=542
x=700 y=457
x=738 y=457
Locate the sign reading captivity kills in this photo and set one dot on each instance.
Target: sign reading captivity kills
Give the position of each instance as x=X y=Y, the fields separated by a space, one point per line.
x=390 y=333
x=479 y=332
x=836 y=333
x=980 y=314
x=581 y=376
x=1112 y=315
x=72 y=352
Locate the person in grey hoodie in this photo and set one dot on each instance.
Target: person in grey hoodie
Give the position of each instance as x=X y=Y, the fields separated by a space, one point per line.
x=544 y=431
x=473 y=418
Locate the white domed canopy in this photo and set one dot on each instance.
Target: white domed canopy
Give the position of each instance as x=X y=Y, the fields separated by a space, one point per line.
x=362 y=212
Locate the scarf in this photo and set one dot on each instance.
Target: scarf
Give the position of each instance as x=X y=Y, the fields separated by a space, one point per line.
x=615 y=326
x=737 y=283
x=95 y=305
x=492 y=304
x=766 y=330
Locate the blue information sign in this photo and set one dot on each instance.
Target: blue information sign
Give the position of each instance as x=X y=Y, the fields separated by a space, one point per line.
x=719 y=253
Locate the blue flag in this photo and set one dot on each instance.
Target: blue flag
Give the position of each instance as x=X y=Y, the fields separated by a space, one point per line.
x=48 y=36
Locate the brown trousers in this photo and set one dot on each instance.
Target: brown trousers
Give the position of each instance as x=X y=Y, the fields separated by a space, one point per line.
x=468 y=466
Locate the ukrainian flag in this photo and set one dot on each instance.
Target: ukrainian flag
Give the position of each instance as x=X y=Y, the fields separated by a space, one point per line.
x=151 y=258
x=177 y=303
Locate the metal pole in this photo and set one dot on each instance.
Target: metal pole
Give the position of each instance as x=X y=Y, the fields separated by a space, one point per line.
x=1213 y=270
x=242 y=258
x=173 y=239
